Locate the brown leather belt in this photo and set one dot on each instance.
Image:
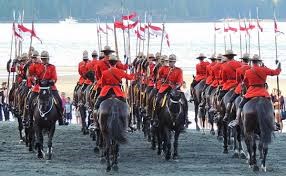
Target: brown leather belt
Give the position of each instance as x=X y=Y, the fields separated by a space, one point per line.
x=258 y=85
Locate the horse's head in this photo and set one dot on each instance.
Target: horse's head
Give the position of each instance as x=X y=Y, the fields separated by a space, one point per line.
x=175 y=95
x=45 y=94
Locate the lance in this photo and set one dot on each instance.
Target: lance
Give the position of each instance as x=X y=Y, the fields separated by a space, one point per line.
x=148 y=41
x=224 y=37
x=249 y=40
x=139 y=47
x=97 y=30
x=163 y=33
x=230 y=41
x=276 y=54
x=143 y=42
x=115 y=38
x=10 y=60
x=245 y=36
x=258 y=32
x=240 y=44
x=106 y=32
x=137 y=42
x=214 y=38
x=100 y=44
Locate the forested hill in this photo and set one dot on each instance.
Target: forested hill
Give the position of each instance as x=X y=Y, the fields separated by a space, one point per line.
x=175 y=10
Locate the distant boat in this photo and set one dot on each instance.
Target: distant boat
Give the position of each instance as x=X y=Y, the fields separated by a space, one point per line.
x=69 y=20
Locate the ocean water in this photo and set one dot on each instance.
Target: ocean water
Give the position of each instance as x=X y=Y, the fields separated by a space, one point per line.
x=66 y=42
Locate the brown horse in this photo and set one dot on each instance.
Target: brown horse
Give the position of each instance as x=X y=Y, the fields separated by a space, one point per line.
x=258 y=120
x=113 y=117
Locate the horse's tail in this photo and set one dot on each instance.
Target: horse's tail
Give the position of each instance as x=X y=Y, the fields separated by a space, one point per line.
x=265 y=120
x=118 y=125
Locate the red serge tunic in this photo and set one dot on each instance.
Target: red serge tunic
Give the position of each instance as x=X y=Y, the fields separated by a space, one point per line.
x=201 y=71
x=174 y=77
x=240 y=76
x=44 y=72
x=210 y=75
x=111 y=79
x=255 y=78
x=151 y=75
x=82 y=70
x=162 y=75
x=103 y=65
x=228 y=73
x=216 y=73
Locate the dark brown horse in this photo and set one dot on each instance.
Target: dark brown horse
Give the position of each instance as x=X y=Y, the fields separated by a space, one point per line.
x=113 y=118
x=171 y=119
x=258 y=120
x=45 y=116
x=196 y=94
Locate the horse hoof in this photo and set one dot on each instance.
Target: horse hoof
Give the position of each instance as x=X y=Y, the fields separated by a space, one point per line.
x=263 y=168
x=159 y=153
x=153 y=147
x=108 y=169
x=96 y=149
x=225 y=151
x=242 y=155
x=167 y=157
x=255 y=168
x=30 y=149
x=220 y=138
x=175 y=157
x=198 y=128
x=115 y=167
x=235 y=155
x=212 y=132
x=49 y=157
x=102 y=160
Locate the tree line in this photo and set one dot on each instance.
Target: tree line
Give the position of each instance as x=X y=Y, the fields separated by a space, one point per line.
x=175 y=10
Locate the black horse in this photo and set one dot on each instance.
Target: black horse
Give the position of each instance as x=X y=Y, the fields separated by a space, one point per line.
x=171 y=119
x=113 y=120
x=45 y=116
x=237 y=131
x=196 y=94
x=258 y=120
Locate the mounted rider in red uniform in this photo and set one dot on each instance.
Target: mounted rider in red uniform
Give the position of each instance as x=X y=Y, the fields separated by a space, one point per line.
x=239 y=78
x=103 y=65
x=209 y=78
x=111 y=82
x=228 y=73
x=47 y=72
x=172 y=78
x=255 y=81
x=201 y=70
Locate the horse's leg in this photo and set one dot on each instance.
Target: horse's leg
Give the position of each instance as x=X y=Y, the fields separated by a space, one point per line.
x=38 y=141
x=249 y=144
x=240 y=149
x=107 y=152
x=176 y=138
x=159 y=140
x=168 y=143
x=196 y=116
x=153 y=138
x=255 y=167
x=31 y=137
x=235 y=140
x=50 y=136
x=263 y=162
x=115 y=155
x=20 y=128
x=260 y=148
x=225 y=137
